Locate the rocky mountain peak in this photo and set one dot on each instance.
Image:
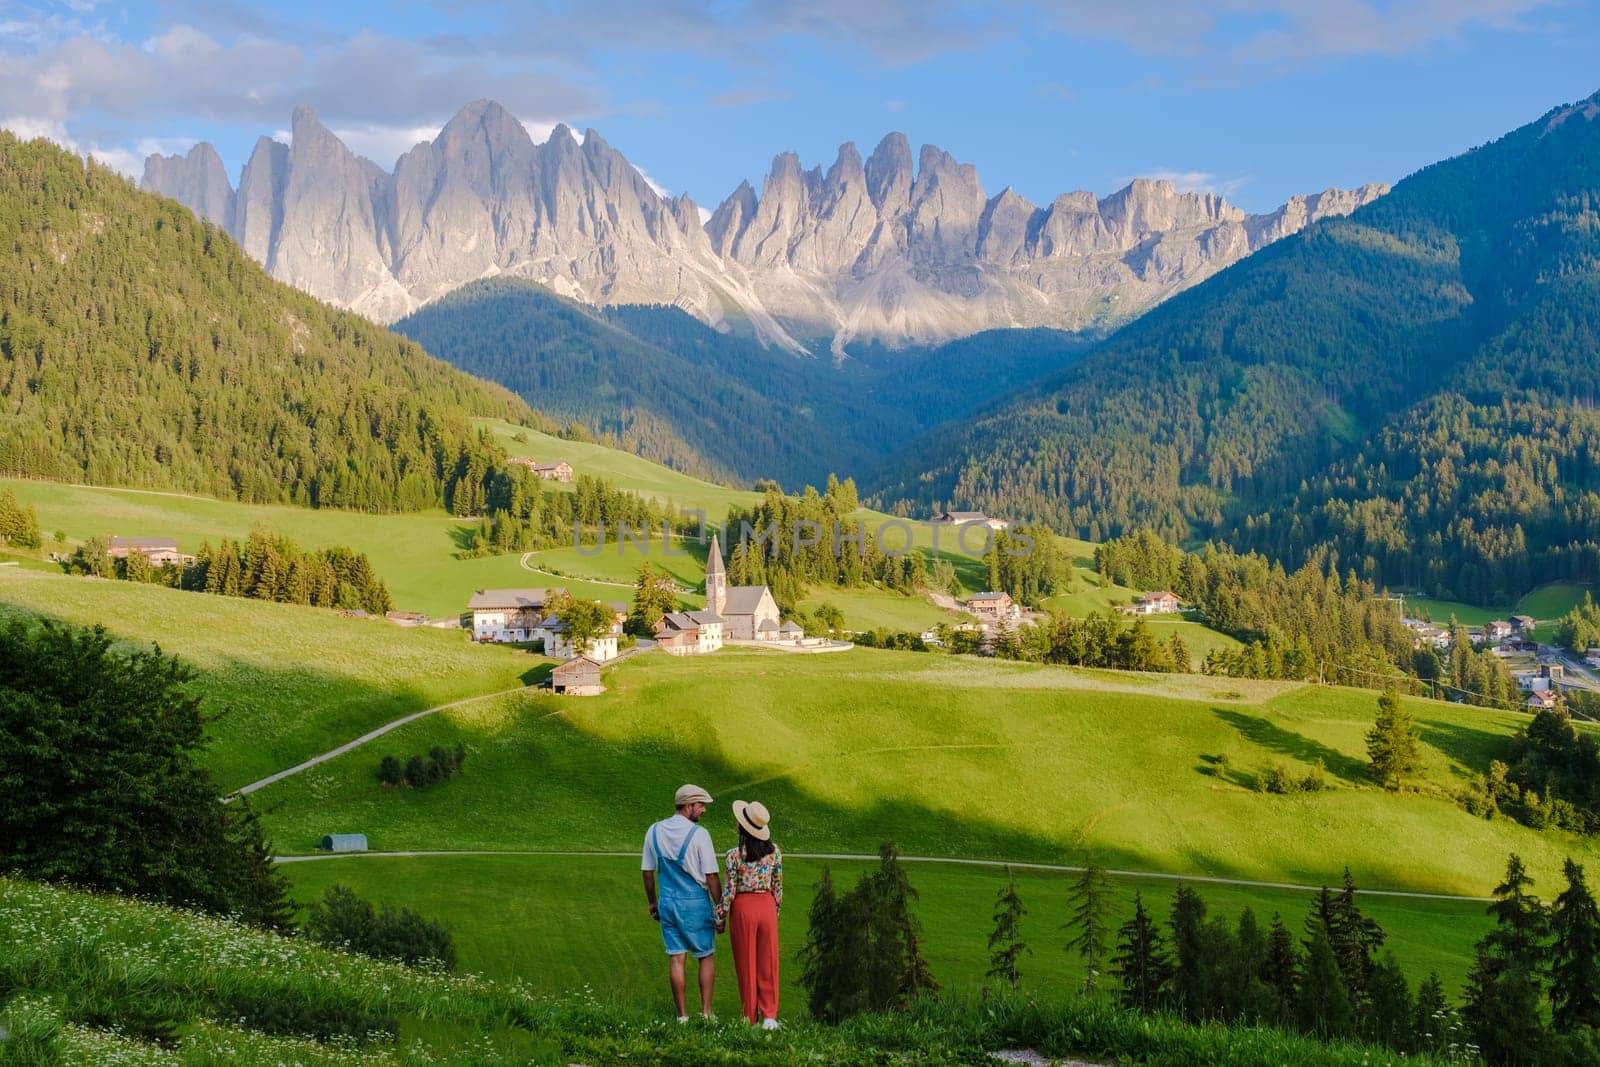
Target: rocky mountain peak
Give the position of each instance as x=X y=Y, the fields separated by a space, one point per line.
x=893 y=247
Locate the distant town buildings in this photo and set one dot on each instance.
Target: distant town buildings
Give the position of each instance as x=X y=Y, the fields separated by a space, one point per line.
x=1498 y=630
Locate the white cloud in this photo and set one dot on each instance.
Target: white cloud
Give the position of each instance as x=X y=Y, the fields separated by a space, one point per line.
x=124 y=159
x=384 y=144
x=1198 y=181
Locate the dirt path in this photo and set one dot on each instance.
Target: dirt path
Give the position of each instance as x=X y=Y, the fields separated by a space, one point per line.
x=857 y=856
x=371 y=735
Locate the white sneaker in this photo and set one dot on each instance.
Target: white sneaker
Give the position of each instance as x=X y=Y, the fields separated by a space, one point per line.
x=683 y=1018
x=770 y=1024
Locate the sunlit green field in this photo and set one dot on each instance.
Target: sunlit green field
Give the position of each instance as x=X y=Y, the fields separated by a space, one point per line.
x=541 y=918
x=1546 y=603
x=287 y=681
x=947 y=756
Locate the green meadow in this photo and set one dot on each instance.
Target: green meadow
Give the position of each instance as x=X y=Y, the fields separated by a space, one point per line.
x=947 y=757
x=1546 y=604
x=562 y=923
x=286 y=682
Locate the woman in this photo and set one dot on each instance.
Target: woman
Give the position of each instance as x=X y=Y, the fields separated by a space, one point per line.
x=750 y=901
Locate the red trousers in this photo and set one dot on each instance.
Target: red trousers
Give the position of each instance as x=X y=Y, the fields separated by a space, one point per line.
x=753 y=930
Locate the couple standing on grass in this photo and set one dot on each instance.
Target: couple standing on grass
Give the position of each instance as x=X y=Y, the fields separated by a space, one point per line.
x=693 y=906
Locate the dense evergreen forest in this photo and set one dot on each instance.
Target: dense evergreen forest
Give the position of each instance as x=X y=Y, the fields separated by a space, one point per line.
x=141 y=347
x=672 y=389
x=1412 y=386
x=264 y=566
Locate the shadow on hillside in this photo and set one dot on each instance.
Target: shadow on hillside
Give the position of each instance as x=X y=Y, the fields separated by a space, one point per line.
x=1275 y=738
x=1470 y=751
x=538 y=779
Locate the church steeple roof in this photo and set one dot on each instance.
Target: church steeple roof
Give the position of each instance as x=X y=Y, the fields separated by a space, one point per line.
x=714 y=561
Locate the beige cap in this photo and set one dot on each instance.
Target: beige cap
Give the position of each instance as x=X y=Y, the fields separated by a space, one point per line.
x=754 y=818
x=691 y=794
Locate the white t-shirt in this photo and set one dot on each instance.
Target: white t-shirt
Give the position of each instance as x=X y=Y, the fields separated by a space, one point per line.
x=700 y=860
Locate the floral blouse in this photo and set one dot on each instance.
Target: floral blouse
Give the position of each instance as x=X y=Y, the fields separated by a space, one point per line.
x=763 y=876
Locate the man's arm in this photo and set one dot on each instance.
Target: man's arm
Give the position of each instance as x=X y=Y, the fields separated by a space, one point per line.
x=650 y=894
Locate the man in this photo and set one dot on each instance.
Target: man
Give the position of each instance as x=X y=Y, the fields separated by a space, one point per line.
x=679 y=850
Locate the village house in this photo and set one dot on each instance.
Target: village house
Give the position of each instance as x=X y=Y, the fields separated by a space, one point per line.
x=557 y=645
x=745 y=610
x=1541 y=700
x=967 y=518
x=1592 y=657
x=1427 y=635
x=578 y=677
x=1162 y=603
x=689 y=633
x=160 y=551
x=560 y=471
x=995 y=607
x=1523 y=624
x=508 y=615
x=1498 y=630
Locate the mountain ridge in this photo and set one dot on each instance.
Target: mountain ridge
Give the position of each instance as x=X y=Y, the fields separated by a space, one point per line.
x=884 y=248
x=1411 y=387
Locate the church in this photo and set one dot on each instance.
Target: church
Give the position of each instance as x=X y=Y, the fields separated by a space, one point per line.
x=749 y=613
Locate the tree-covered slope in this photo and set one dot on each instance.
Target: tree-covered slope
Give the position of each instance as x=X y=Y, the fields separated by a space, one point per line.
x=1332 y=374
x=142 y=347
x=679 y=392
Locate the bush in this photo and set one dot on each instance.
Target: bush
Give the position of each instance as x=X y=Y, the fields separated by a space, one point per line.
x=341 y=919
x=321 y=1020
x=419 y=772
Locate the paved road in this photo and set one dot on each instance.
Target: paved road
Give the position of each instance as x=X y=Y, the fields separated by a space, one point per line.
x=1061 y=868
x=370 y=736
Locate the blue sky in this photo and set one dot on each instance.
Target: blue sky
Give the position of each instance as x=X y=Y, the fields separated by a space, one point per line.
x=1255 y=99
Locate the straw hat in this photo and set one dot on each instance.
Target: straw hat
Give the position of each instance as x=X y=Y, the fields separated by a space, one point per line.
x=754 y=818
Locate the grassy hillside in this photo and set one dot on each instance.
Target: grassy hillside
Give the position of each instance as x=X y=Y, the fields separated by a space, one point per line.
x=287 y=681
x=142 y=347
x=952 y=757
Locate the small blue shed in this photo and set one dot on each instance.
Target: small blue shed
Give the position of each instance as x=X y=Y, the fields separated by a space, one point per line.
x=345 y=842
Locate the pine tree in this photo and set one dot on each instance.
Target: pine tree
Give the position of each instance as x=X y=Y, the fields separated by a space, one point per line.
x=1141 y=961
x=1503 y=989
x=1089 y=899
x=825 y=959
x=1390 y=1012
x=1355 y=940
x=1279 y=969
x=1006 y=946
x=1191 y=990
x=1575 y=954
x=1433 y=1017
x=1392 y=745
x=1323 y=1007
